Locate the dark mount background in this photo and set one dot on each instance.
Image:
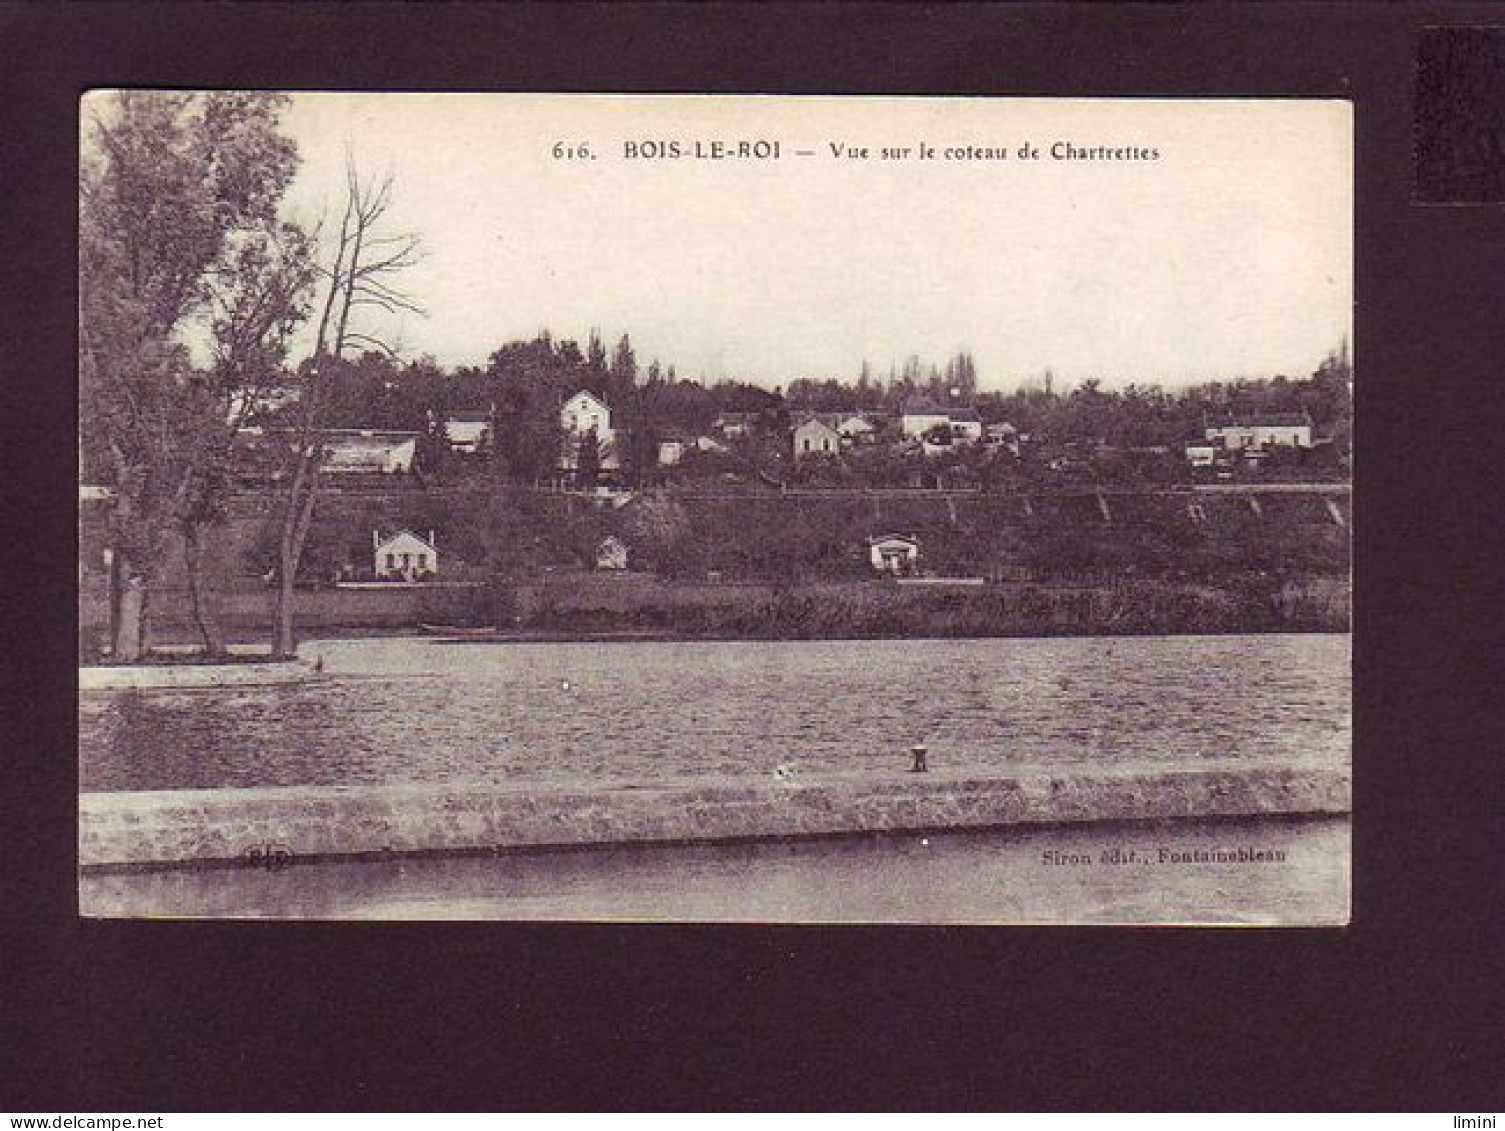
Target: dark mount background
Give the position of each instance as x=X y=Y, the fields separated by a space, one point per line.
x=1400 y=1011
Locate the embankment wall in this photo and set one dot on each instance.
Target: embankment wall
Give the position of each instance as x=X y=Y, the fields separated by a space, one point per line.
x=186 y=828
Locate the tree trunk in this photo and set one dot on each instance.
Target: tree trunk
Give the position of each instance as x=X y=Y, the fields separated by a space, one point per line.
x=284 y=643
x=295 y=524
x=128 y=633
x=204 y=617
x=112 y=560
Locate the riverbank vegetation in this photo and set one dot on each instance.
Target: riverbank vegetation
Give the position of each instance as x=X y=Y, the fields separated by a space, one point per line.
x=635 y=608
x=878 y=610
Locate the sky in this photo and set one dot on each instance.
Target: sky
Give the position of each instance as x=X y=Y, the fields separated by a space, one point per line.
x=1228 y=255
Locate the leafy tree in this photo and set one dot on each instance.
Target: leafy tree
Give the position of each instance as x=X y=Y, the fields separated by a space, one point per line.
x=178 y=238
x=624 y=366
x=588 y=461
x=595 y=355
x=528 y=381
x=821 y=469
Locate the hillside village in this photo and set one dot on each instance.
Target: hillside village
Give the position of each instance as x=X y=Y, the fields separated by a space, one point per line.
x=595 y=426
x=917 y=477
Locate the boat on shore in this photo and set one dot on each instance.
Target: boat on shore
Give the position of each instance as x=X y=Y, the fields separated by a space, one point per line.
x=459 y=630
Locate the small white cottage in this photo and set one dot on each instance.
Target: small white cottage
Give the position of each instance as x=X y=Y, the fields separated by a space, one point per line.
x=404 y=556
x=611 y=553
x=816 y=437
x=467 y=432
x=894 y=553
x=357 y=451
x=585 y=413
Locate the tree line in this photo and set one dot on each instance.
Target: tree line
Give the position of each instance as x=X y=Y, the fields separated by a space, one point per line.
x=182 y=244
x=523 y=383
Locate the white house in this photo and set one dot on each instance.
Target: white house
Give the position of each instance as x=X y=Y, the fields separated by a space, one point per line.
x=1003 y=434
x=349 y=451
x=611 y=553
x=1201 y=455
x=966 y=425
x=894 y=553
x=585 y=412
x=962 y=421
x=466 y=431
x=403 y=556
x=734 y=425
x=670 y=452
x=815 y=437
x=920 y=417
x=1260 y=429
x=855 y=428
x=581 y=414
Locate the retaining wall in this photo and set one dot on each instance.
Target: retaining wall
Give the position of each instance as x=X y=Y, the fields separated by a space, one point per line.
x=221 y=826
x=123 y=677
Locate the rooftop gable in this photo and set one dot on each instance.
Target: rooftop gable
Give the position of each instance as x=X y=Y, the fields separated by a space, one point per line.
x=815 y=422
x=396 y=536
x=924 y=408
x=588 y=395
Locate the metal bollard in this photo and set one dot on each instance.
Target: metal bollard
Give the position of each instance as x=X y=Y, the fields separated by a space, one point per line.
x=918 y=751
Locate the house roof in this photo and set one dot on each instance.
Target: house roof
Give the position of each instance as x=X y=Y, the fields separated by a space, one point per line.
x=910 y=538
x=351 y=445
x=822 y=419
x=586 y=393
x=1258 y=420
x=924 y=408
x=385 y=541
x=469 y=416
x=963 y=412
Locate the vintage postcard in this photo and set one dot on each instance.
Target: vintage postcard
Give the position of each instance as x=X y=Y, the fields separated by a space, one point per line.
x=715 y=508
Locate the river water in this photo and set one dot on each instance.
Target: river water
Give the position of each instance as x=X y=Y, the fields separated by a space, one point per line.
x=396 y=710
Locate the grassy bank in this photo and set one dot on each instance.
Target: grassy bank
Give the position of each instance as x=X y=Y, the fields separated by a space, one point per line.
x=592 y=605
x=876 y=610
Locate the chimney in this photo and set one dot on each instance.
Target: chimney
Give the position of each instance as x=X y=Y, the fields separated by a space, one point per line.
x=376 y=540
x=431 y=539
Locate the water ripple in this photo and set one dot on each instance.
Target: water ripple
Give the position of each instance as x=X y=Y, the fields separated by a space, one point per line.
x=411 y=710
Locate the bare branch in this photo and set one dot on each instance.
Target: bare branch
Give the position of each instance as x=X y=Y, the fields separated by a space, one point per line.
x=355 y=338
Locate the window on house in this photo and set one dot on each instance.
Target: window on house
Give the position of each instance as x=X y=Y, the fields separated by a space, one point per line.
x=391 y=561
x=406 y=560
x=807 y=443
x=423 y=561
